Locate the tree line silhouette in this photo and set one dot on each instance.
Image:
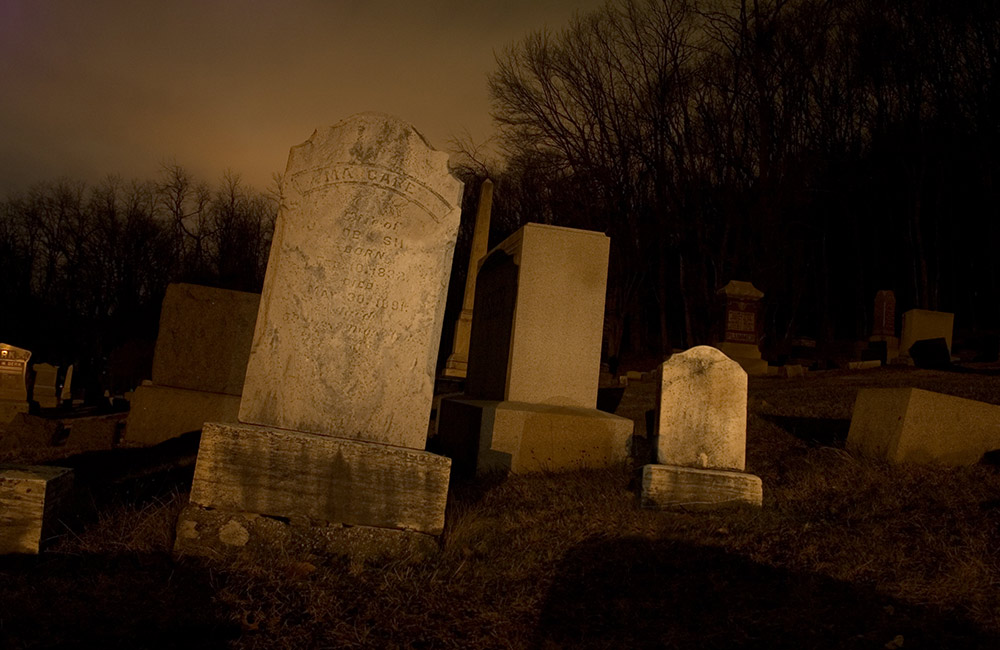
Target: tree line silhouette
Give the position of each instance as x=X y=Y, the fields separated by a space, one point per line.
x=822 y=149
x=85 y=268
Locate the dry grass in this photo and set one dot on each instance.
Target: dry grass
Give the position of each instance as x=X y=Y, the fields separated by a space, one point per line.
x=845 y=553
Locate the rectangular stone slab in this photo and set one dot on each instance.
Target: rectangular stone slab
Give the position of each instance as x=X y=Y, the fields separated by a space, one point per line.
x=353 y=302
x=919 y=426
x=204 y=338
x=670 y=486
x=30 y=497
x=269 y=471
x=920 y=324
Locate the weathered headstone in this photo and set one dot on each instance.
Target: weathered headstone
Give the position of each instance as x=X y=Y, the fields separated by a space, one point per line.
x=911 y=425
x=44 y=390
x=30 y=498
x=458 y=361
x=534 y=359
x=337 y=397
x=701 y=436
x=921 y=324
x=199 y=363
x=741 y=325
x=13 y=387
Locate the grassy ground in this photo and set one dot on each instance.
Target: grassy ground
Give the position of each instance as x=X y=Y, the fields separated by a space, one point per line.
x=845 y=553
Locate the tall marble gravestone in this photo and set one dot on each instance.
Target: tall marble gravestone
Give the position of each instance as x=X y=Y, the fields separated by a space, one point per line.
x=534 y=360
x=701 y=434
x=338 y=388
x=13 y=388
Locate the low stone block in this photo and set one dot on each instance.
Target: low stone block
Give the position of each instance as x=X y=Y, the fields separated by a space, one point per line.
x=293 y=474
x=484 y=436
x=670 y=486
x=793 y=370
x=912 y=425
x=920 y=324
x=221 y=534
x=864 y=365
x=159 y=413
x=30 y=498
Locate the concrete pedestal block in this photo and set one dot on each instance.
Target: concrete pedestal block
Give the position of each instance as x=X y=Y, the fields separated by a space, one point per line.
x=159 y=413
x=30 y=498
x=671 y=486
x=483 y=436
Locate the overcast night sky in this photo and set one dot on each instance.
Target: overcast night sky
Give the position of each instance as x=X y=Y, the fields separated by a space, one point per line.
x=92 y=87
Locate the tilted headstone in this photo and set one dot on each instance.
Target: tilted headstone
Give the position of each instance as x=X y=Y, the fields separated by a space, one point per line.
x=457 y=363
x=30 y=499
x=353 y=302
x=911 y=425
x=337 y=398
x=701 y=436
x=66 y=392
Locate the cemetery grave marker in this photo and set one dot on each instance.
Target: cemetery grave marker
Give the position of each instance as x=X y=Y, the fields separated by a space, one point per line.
x=336 y=403
x=13 y=388
x=534 y=360
x=701 y=435
x=741 y=325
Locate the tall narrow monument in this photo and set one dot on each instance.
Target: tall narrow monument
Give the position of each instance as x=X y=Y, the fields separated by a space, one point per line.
x=338 y=388
x=458 y=361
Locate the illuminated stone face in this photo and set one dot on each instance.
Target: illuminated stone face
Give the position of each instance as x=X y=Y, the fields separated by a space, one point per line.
x=353 y=301
x=13 y=366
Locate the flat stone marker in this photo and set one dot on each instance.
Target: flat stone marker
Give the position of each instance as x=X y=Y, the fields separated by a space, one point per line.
x=701 y=434
x=911 y=425
x=30 y=498
x=338 y=390
x=353 y=301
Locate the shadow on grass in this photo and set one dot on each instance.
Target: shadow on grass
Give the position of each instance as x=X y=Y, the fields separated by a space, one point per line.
x=636 y=593
x=100 y=601
x=820 y=431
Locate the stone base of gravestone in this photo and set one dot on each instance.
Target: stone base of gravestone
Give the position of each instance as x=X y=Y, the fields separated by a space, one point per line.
x=159 y=413
x=457 y=364
x=918 y=426
x=30 y=500
x=225 y=535
x=931 y=354
x=484 y=436
x=745 y=354
x=298 y=475
x=666 y=487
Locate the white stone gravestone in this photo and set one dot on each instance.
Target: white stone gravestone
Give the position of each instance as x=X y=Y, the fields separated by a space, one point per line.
x=337 y=397
x=701 y=434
